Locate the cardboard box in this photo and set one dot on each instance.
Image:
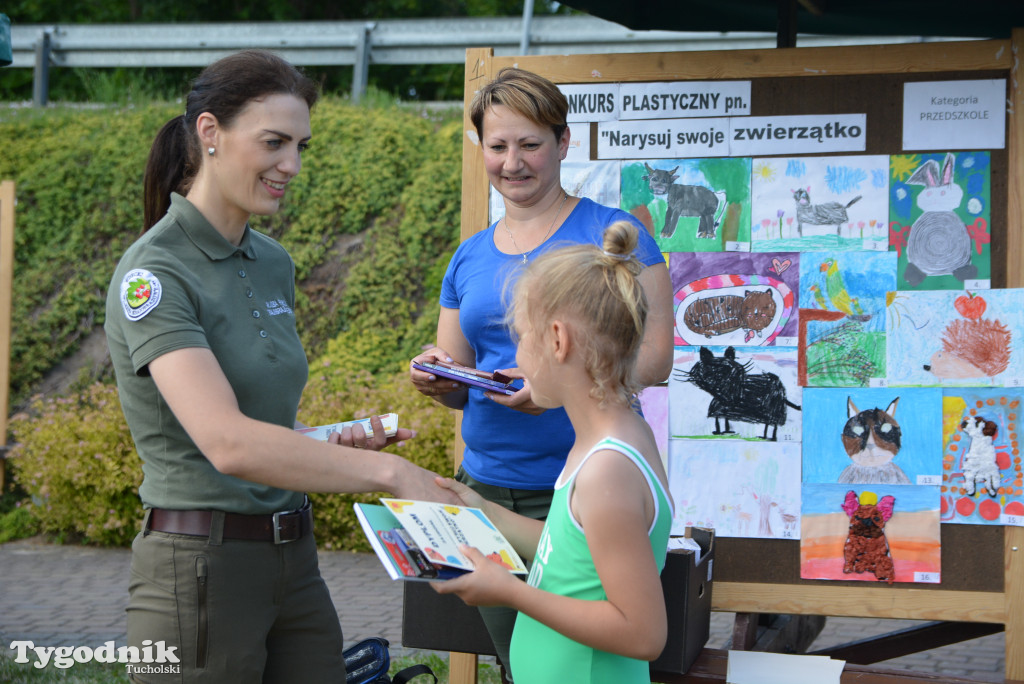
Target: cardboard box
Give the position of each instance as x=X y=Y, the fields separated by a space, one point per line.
x=442 y=622
x=687 y=587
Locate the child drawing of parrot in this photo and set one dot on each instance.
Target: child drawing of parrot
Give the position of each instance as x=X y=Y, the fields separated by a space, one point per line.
x=837 y=294
x=819 y=298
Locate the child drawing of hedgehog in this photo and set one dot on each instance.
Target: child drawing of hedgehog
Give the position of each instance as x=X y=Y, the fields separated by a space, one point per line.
x=972 y=349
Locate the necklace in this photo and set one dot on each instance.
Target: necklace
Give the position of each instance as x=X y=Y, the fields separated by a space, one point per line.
x=504 y=220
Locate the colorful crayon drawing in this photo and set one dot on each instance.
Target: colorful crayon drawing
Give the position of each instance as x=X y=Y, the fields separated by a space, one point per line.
x=900 y=544
x=955 y=338
x=690 y=205
x=654 y=405
x=739 y=489
x=872 y=436
x=727 y=393
x=842 y=317
x=982 y=479
x=735 y=298
x=820 y=203
x=939 y=219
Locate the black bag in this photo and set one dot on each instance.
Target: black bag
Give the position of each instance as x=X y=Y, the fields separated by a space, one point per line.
x=368 y=662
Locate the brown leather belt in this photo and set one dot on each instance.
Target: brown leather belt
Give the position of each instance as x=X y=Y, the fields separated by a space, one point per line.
x=280 y=528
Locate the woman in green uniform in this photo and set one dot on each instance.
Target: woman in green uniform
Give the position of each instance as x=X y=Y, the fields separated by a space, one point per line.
x=210 y=369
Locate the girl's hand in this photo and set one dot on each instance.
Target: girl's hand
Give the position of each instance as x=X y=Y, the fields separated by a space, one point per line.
x=520 y=401
x=469 y=497
x=490 y=584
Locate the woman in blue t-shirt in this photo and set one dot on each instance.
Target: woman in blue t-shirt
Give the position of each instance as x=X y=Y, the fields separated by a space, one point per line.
x=515 y=449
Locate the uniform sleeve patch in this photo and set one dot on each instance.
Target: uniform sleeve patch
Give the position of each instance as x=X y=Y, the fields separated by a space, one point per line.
x=140 y=293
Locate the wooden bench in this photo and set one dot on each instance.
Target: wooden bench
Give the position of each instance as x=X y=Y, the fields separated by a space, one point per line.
x=443 y=623
x=712 y=664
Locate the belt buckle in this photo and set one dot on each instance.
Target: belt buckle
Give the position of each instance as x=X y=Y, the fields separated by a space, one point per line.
x=277 y=527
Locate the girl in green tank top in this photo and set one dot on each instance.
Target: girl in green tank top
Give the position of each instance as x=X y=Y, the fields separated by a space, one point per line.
x=592 y=609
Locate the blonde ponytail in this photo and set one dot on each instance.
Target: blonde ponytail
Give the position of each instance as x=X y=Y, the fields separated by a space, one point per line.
x=597 y=288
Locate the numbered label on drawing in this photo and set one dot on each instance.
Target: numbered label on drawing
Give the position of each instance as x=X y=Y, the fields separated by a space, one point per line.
x=787 y=341
x=878 y=382
x=1017 y=520
x=732 y=246
x=1014 y=382
x=929 y=479
x=928 y=577
x=977 y=284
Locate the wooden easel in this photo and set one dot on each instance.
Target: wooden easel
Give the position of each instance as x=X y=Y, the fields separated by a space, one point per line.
x=6 y=286
x=988 y=591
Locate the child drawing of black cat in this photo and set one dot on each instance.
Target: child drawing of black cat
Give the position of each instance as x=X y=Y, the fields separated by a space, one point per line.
x=871 y=439
x=736 y=394
x=685 y=200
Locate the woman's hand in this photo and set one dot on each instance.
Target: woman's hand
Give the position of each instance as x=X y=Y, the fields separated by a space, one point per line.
x=429 y=384
x=419 y=484
x=490 y=584
x=355 y=436
x=520 y=401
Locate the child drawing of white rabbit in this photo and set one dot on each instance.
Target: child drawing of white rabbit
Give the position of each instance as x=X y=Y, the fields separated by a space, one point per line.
x=939 y=243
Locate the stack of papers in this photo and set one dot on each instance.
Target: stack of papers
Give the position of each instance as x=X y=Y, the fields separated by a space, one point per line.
x=756 y=667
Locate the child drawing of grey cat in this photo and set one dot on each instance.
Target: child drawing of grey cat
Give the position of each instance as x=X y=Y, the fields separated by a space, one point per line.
x=825 y=214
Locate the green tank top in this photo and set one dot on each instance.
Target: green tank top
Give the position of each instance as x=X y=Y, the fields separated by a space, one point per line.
x=563 y=565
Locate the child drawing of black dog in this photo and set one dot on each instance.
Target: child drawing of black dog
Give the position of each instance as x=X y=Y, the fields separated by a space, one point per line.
x=684 y=200
x=736 y=394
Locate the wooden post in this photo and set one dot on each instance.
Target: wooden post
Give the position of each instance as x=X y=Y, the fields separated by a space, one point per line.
x=1013 y=537
x=6 y=285
x=462 y=667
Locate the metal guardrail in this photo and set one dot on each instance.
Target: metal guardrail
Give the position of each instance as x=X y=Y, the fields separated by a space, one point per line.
x=361 y=43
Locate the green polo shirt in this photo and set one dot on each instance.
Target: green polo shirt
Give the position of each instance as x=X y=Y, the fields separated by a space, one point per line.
x=183 y=285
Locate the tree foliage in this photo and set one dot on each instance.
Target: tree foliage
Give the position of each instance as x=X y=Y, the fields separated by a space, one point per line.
x=434 y=82
x=166 y=11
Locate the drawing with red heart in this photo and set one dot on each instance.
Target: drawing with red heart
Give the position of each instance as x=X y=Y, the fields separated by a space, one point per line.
x=779 y=266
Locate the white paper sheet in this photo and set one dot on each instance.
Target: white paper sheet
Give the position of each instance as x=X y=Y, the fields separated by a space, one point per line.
x=755 y=667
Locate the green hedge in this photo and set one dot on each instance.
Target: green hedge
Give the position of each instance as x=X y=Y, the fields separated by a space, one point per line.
x=79 y=174
x=371 y=223
x=75 y=456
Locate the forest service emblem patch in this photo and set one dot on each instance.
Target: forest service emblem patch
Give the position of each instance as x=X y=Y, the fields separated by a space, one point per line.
x=140 y=293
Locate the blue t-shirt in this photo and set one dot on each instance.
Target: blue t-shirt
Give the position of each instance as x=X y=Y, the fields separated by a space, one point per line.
x=504 y=447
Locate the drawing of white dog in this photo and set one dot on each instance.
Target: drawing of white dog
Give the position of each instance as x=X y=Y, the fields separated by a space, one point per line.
x=980 y=460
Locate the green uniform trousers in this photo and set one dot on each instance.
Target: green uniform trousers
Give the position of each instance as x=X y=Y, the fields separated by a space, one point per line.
x=237 y=611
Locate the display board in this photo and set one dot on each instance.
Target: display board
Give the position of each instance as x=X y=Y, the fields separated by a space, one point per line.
x=982 y=567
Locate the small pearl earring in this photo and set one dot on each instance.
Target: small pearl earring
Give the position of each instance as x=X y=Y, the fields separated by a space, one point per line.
x=210 y=150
